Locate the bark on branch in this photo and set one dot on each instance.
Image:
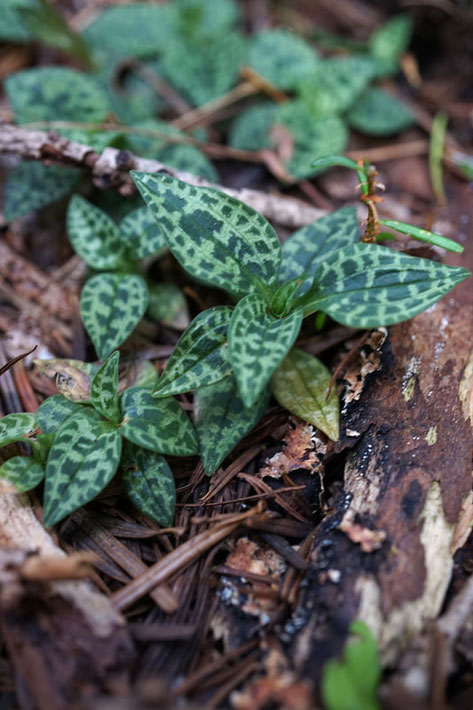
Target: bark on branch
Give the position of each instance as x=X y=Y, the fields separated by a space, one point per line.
x=111 y=169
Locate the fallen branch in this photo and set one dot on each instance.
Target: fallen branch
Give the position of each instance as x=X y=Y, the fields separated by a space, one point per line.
x=62 y=635
x=111 y=169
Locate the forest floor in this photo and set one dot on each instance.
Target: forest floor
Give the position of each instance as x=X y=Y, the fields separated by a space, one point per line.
x=297 y=536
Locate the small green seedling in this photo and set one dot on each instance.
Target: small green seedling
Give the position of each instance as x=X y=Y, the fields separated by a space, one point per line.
x=114 y=300
x=352 y=683
x=230 y=355
x=83 y=444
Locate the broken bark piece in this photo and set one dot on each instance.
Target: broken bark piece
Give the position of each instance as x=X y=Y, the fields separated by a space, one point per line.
x=63 y=637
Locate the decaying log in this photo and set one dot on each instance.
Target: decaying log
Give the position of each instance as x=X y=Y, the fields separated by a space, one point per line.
x=63 y=637
x=111 y=169
x=385 y=554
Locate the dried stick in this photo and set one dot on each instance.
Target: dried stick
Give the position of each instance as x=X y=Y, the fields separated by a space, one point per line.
x=111 y=169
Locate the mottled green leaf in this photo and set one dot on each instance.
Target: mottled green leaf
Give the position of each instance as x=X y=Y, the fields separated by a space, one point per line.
x=14 y=427
x=72 y=377
x=368 y=285
x=336 y=84
x=257 y=342
x=300 y=384
x=250 y=130
x=141 y=234
x=54 y=411
x=216 y=238
x=55 y=94
x=167 y=304
x=137 y=30
x=379 y=114
x=221 y=420
x=159 y=425
x=201 y=356
x=313 y=136
x=304 y=250
x=352 y=683
x=203 y=71
x=82 y=460
x=204 y=18
x=423 y=235
x=283 y=58
x=23 y=472
x=12 y=28
x=149 y=484
x=30 y=186
x=104 y=389
x=389 y=42
x=111 y=306
x=94 y=236
x=96 y=139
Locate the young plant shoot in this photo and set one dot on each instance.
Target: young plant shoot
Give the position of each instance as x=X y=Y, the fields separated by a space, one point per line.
x=231 y=355
x=84 y=442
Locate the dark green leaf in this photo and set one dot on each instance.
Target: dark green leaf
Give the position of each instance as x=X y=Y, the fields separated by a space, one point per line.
x=55 y=94
x=309 y=246
x=221 y=420
x=423 y=235
x=201 y=356
x=23 y=472
x=12 y=28
x=203 y=71
x=204 y=18
x=30 y=186
x=313 y=136
x=216 y=238
x=300 y=384
x=104 y=389
x=159 y=425
x=111 y=306
x=389 y=42
x=136 y=30
x=379 y=114
x=167 y=304
x=14 y=427
x=336 y=84
x=141 y=234
x=82 y=460
x=53 y=411
x=149 y=484
x=94 y=236
x=257 y=343
x=368 y=285
x=283 y=58
x=251 y=128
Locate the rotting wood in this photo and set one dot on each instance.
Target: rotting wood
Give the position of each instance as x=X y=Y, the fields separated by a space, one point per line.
x=408 y=480
x=111 y=169
x=63 y=637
